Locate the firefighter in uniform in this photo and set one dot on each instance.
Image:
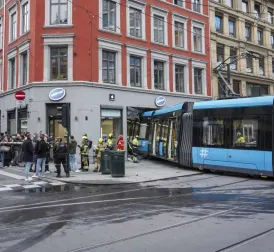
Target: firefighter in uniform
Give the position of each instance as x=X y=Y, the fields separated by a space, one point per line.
x=84 y=152
x=110 y=142
x=240 y=138
x=100 y=147
x=135 y=144
x=120 y=143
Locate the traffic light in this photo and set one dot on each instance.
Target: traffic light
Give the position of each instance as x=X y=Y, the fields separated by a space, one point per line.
x=63 y=112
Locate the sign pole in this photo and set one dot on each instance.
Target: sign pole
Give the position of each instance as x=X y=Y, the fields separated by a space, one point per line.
x=68 y=134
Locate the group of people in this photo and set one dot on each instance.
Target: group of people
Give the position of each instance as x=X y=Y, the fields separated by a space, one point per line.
x=34 y=150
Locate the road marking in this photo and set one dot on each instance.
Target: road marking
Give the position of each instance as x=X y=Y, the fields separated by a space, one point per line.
x=5 y=189
x=40 y=183
x=13 y=185
x=57 y=183
x=31 y=186
x=11 y=175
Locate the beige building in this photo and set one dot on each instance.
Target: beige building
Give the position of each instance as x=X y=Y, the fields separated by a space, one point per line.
x=238 y=26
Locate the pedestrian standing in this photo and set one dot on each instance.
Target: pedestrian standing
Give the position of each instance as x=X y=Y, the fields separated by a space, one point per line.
x=28 y=153
x=60 y=153
x=72 y=154
x=41 y=157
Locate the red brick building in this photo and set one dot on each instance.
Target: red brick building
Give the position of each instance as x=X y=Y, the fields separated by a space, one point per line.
x=134 y=49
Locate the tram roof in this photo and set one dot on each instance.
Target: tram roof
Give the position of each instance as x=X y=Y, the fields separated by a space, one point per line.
x=168 y=109
x=233 y=103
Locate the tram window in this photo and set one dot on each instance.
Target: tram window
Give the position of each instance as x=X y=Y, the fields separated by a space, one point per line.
x=143 y=130
x=213 y=132
x=165 y=130
x=129 y=129
x=245 y=133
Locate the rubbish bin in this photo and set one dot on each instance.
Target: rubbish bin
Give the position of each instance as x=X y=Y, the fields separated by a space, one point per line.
x=118 y=164
x=105 y=162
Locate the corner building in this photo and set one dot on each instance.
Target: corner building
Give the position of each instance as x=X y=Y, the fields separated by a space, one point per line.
x=104 y=56
x=238 y=26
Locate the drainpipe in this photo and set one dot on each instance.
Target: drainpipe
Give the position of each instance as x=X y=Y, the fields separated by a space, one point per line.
x=3 y=47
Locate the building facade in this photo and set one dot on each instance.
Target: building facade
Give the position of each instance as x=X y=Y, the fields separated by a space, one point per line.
x=238 y=26
x=101 y=57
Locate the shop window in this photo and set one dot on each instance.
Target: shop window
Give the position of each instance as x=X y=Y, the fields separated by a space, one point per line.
x=11 y=122
x=22 y=124
x=245 y=133
x=213 y=132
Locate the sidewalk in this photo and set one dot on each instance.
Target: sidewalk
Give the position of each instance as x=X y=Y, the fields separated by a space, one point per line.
x=145 y=171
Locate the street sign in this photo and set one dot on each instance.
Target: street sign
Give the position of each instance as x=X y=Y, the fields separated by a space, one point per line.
x=112 y=97
x=20 y=95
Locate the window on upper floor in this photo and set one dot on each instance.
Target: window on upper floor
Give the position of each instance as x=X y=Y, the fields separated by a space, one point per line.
x=257 y=90
x=1 y=3
x=109 y=67
x=159 y=29
x=260 y=36
x=272 y=40
x=261 y=66
x=270 y=16
x=135 y=71
x=179 y=2
x=236 y=86
x=24 y=68
x=197 y=39
x=248 y=32
x=109 y=15
x=12 y=73
x=135 y=20
x=219 y=23
x=272 y=66
x=1 y=34
x=58 y=12
x=249 y=64
x=13 y=26
x=59 y=63
x=179 y=34
x=179 y=78
x=198 y=80
x=245 y=6
x=257 y=10
x=232 y=27
x=196 y=5
x=220 y=53
x=233 y=61
x=159 y=75
x=24 y=17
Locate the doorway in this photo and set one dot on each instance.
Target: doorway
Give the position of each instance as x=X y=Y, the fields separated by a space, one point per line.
x=111 y=122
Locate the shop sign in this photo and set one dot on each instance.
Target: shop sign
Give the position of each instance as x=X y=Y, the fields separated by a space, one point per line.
x=57 y=94
x=160 y=101
x=112 y=97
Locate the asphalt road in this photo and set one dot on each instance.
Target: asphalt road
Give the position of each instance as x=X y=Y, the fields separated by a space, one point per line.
x=205 y=212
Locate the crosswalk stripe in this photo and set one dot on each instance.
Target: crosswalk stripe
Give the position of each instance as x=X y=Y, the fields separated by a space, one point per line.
x=13 y=185
x=57 y=183
x=40 y=183
x=5 y=189
x=31 y=186
x=11 y=175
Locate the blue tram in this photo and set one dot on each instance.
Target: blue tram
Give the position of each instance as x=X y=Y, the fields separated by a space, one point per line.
x=224 y=135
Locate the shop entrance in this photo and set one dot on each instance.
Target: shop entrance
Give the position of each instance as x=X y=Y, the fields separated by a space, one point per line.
x=54 y=126
x=111 y=122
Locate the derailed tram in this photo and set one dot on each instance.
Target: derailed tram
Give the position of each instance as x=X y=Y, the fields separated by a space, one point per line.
x=222 y=135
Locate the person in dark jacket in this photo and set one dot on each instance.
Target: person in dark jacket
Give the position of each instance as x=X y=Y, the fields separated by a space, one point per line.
x=27 y=156
x=60 y=157
x=41 y=157
x=72 y=154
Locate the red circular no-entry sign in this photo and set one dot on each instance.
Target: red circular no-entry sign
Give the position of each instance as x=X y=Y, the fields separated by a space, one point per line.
x=20 y=96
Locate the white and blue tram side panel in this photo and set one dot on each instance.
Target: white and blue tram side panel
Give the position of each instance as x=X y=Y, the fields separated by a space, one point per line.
x=249 y=161
x=143 y=143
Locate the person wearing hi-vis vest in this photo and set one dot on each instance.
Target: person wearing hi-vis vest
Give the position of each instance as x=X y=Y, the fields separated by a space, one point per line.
x=100 y=147
x=110 y=142
x=84 y=151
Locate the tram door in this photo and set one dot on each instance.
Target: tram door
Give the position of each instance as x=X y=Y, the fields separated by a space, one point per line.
x=156 y=138
x=172 y=145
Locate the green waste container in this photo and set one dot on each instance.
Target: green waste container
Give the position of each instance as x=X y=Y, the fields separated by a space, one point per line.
x=105 y=162
x=117 y=163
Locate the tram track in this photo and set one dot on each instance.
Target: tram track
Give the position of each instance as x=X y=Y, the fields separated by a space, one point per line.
x=140 y=200
x=246 y=241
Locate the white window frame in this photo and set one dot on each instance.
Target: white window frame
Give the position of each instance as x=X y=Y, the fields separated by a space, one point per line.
x=201 y=65
x=201 y=26
x=183 y=20
x=57 y=40
x=118 y=17
x=23 y=2
x=183 y=62
x=47 y=15
x=23 y=49
x=158 y=56
x=12 y=55
x=12 y=11
x=113 y=46
x=201 y=6
x=162 y=13
x=1 y=33
x=142 y=53
x=184 y=4
x=141 y=7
